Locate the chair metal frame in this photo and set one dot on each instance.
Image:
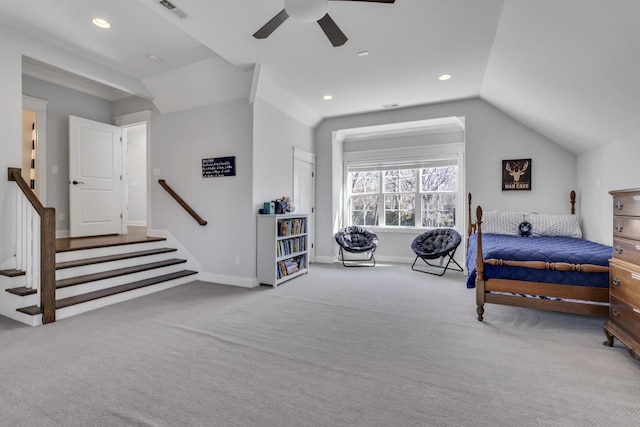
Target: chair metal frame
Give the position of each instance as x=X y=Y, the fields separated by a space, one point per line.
x=444 y=269
x=442 y=255
x=358 y=262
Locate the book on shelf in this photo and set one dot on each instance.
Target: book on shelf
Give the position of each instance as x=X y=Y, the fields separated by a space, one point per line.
x=290 y=266
x=291 y=227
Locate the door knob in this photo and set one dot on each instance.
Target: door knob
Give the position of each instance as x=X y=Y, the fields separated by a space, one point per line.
x=74 y=182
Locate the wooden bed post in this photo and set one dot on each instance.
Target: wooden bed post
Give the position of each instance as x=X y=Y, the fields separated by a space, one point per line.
x=572 y=197
x=479 y=266
x=470 y=225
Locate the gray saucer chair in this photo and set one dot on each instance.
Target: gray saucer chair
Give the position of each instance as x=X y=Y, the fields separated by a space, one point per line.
x=438 y=243
x=357 y=240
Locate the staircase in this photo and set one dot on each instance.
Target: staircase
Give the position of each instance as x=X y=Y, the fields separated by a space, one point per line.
x=96 y=272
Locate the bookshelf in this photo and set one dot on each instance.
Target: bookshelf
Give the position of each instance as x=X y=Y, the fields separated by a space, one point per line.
x=282 y=248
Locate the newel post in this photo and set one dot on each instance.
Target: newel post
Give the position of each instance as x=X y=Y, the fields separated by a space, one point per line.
x=48 y=265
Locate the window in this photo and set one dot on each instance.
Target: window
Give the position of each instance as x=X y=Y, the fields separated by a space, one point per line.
x=405 y=194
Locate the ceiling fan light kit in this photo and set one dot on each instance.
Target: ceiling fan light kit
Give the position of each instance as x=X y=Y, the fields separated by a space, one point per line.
x=309 y=11
x=306 y=10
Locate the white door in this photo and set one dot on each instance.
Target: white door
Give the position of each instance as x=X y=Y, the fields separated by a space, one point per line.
x=303 y=197
x=95 y=178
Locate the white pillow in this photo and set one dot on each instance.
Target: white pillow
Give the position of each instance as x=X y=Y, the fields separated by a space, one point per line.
x=555 y=225
x=503 y=222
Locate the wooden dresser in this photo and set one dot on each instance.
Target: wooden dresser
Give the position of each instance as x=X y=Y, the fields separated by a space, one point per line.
x=624 y=276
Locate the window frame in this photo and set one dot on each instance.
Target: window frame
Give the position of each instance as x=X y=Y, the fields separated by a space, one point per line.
x=434 y=155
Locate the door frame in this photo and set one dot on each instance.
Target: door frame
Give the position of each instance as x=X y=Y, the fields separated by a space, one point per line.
x=39 y=106
x=301 y=155
x=127 y=121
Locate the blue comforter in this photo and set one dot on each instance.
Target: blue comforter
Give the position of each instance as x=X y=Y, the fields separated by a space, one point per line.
x=547 y=249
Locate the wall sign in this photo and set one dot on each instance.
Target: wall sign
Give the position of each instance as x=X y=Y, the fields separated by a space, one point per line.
x=516 y=174
x=219 y=166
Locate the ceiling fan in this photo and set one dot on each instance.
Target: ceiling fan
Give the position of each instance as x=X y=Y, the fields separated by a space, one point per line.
x=309 y=11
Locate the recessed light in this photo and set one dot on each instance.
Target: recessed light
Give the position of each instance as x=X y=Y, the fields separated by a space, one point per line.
x=363 y=53
x=102 y=23
x=327 y=97
x=445 y=77
x=154 y=58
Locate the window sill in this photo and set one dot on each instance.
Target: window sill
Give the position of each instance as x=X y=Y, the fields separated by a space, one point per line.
x=400 y=230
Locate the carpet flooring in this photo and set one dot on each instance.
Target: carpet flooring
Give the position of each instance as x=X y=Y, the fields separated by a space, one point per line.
x=383 y=346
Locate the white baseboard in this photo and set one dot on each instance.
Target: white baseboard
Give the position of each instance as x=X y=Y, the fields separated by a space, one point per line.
x=325 y=259
x=137 y=223
x=244 y=282
x=395 y=259
x=380 y=258
x=63 y=234
x=192 y=263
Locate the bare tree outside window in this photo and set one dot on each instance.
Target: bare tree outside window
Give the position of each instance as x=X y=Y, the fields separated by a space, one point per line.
x=400 y=198
x=365 y=188
x=439 y=196
x=400 y=191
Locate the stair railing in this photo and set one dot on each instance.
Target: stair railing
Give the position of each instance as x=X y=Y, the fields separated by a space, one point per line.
x=182 y=203
x=36 y=245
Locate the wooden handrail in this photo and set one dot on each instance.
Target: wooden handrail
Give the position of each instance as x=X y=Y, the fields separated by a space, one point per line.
x=182 y=203
x=47 y=247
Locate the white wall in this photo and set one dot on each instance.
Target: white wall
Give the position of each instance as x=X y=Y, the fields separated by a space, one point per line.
x=274 y=136
x=611 y=167
x=10 y=146
x=179 y=142
x=491 y=136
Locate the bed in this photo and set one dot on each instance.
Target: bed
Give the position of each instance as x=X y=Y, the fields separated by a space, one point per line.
x=553 y=269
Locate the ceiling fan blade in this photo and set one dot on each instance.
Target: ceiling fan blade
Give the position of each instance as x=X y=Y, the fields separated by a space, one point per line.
x=373 y=1
x=330 y=28
x=271 y=26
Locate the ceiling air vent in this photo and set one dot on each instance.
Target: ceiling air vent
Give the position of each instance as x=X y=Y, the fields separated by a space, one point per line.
x=173 y=9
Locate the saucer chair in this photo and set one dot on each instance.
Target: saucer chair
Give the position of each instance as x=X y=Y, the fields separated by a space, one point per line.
x=357 y=240
x=438 y=243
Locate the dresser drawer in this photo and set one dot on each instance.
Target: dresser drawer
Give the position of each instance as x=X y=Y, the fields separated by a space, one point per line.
x=627 y=227
x=624 y=284
x=626 y=203
x=627 y=250
x=625 y=316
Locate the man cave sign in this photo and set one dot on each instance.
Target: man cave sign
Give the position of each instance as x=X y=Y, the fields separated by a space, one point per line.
x=516 y=174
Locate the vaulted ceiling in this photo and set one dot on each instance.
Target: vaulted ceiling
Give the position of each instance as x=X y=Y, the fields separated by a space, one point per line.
x=567 y=68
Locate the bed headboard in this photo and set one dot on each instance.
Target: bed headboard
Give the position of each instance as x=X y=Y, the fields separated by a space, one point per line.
x=473 y=225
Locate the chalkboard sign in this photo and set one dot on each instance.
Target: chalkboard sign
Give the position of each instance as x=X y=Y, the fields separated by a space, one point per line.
x=219 y=166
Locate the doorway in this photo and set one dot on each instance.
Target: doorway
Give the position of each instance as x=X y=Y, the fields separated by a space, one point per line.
x=34 y=143
x=304 y=184
x=107 y=177
x=135 y=144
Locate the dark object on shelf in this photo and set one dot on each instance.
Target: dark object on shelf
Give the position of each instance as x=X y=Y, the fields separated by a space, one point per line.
x=438 y=243
x=280 y=206
x=359 y=240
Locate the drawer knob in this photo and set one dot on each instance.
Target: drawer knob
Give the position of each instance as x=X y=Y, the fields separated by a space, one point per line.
x=619 y=249
x=616 y=281
x=619 y=227
x=619 y=205
x=615 y=312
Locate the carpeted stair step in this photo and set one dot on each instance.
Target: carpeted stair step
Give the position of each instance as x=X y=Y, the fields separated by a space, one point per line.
x=116 y=273
x=90 y=296
x=110 y=258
